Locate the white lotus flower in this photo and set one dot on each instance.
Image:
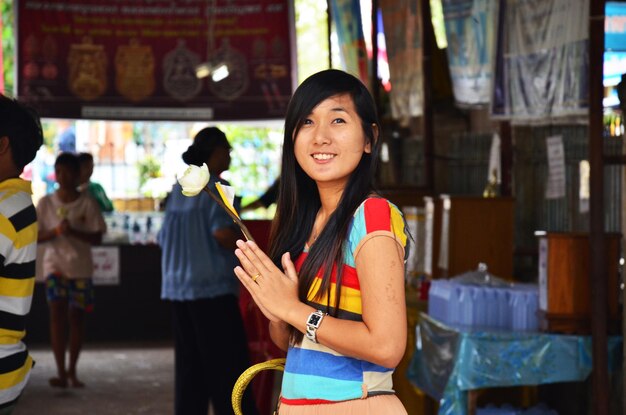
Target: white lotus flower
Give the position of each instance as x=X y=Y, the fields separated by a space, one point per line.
x=194 y=179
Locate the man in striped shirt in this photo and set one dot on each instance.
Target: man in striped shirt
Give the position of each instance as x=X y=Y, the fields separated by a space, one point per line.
x=20 y=138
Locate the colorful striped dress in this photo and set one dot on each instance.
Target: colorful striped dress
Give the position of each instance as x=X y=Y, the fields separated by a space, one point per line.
x=18 y=252
x=316 y=374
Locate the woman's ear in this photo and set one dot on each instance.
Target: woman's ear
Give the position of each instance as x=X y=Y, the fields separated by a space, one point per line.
x=372 y=142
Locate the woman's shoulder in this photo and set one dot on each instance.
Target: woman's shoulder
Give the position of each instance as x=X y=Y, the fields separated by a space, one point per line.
x=376 y=214
x=376 y=206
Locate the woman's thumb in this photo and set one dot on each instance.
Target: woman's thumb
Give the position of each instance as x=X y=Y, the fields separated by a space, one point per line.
x=289 y=267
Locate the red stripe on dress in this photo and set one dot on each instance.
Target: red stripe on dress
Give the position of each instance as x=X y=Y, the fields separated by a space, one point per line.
x=377 y=215
x=298 y=263
x=305 y=401
x=350 y=278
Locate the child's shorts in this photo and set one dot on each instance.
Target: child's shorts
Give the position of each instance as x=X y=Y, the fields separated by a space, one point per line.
x=79 y=293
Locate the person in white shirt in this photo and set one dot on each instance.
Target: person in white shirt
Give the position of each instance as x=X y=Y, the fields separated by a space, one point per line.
x=70 y=222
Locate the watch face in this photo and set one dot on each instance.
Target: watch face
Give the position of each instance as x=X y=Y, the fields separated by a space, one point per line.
x=314 y=320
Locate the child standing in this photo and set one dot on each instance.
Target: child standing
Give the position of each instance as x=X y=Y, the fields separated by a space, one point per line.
x=70 y=222
x=94 y=189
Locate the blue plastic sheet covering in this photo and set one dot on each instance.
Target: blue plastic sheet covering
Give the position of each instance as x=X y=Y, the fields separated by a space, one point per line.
x=449 y=361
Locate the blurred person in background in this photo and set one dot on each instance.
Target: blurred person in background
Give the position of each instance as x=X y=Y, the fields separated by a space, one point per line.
x=198 y=242
x=70 y=222
x=94 y=189
x=267 y=199
x=20 y=138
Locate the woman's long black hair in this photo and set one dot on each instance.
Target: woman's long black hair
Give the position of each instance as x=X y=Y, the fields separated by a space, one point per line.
x=298 y=198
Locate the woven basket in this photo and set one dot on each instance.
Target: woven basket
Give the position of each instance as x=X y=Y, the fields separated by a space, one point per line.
x=246 y=377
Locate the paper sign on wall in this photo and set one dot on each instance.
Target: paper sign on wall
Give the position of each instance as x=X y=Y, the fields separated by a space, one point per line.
x=555 y=187
x=584 y=171
x=106 y=265
x=429 y=207
x=445 y=233
x=494 y=159
x=543 y=274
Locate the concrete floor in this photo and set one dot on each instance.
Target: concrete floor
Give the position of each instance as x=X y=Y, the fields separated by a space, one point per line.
x=121 y=380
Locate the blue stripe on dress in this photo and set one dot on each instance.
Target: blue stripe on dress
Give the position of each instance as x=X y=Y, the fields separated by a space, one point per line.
x=296 y=386
x=316 y=363
x=358 y=230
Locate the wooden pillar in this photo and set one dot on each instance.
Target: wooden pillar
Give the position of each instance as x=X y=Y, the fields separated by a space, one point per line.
x=329 y=20
x=598 y=266
x=428 y=38
x=374 y=76
x=506 y=158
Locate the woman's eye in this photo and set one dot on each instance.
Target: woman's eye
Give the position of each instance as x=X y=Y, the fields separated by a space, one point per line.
x=338 y=121
x=307 y=122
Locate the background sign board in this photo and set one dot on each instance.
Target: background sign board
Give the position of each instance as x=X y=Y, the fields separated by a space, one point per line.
x=106 y=265
x=136 y=59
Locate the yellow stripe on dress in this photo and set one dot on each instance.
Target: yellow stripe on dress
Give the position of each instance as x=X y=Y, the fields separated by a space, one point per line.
x=350 y=298
x=397 y=226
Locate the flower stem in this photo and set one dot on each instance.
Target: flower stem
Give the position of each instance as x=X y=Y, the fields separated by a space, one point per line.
x=234 y=217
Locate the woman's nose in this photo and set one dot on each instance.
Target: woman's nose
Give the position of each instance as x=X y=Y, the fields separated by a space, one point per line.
x=322 y=135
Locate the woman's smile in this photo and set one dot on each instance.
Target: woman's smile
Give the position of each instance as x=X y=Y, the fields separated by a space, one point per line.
x=323 y=157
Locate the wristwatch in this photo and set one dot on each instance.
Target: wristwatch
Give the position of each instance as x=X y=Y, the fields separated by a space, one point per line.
x=312 y=324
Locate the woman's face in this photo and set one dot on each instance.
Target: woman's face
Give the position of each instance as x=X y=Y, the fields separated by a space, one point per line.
x=331 y=141
x=219 y=161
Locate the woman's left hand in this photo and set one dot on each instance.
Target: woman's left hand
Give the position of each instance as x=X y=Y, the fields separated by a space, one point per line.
x=274 y=291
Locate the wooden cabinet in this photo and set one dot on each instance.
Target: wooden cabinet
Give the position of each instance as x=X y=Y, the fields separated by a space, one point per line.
x=470 y=230
x=564 y=282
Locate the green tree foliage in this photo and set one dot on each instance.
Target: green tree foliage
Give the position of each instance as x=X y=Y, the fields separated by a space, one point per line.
x=149 y=167
x=8 y=46
x=311 y=37
x=255 y=158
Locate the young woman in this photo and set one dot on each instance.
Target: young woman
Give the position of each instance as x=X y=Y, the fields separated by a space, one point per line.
x=333 y=283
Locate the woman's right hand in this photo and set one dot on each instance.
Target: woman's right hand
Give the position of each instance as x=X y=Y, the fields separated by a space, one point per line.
x=272 y=289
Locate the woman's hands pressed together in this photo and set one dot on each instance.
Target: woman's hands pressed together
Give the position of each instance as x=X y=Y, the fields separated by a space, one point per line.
x=273 y=290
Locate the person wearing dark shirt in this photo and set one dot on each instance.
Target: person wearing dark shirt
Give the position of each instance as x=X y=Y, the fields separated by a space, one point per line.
x=266 y=199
